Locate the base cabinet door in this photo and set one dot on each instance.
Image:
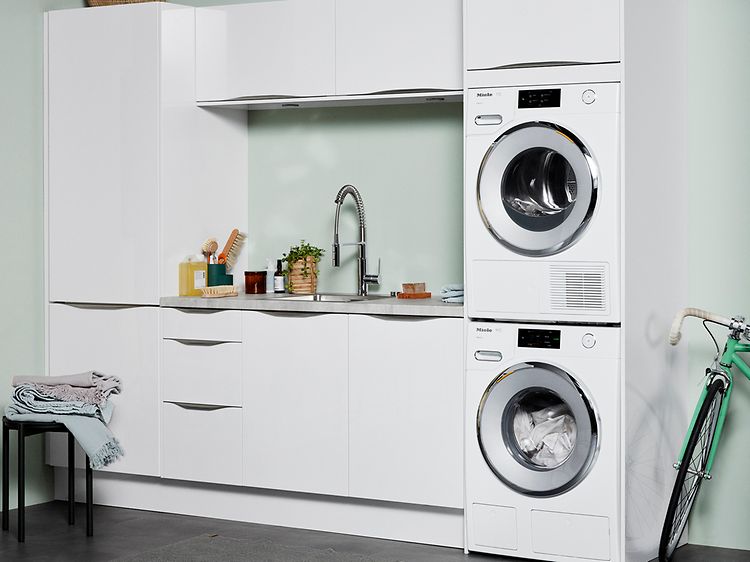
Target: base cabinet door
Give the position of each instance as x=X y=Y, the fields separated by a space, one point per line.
x=122 y=342
x=406 y=409
x=295 y=402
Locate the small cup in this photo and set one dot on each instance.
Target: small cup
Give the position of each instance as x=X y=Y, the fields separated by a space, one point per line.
x=255 y=282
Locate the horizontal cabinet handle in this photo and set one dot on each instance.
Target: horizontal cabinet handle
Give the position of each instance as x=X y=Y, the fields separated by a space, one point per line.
x=201 y=343
x=100 y=306
x=194 y=406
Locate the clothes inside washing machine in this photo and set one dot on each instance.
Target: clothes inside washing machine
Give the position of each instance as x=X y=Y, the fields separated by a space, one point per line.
x=544 y=429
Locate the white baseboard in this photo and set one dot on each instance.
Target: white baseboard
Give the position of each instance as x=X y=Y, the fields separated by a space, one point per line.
x=386 y=520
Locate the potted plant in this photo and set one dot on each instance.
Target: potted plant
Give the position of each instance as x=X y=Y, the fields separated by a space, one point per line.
x=302 y=268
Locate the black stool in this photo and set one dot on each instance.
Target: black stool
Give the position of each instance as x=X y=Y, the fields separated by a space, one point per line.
x=26 y=429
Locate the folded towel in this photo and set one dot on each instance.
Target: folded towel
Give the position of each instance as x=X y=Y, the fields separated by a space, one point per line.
x=456 y=300
x=450 y=294
x=67 y=393
x=452 y=287
x=94 y=437
x=107 y=384
x=28 y=397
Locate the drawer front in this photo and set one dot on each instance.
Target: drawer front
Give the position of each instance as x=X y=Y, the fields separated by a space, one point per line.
x=202 y=445
x=202 y=325
x=202 y=373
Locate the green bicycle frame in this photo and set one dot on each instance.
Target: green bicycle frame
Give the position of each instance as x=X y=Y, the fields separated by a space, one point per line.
x=729 y=358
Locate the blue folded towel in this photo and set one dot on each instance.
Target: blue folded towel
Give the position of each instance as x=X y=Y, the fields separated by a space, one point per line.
x=452 y=293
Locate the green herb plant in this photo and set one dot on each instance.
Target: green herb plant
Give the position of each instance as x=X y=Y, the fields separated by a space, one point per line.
x=304 y=250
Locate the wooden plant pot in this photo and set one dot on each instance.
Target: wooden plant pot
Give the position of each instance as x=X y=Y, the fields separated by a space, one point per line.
x=303 y=277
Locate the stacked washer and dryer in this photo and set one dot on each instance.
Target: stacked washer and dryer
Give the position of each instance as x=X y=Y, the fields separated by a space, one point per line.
x=573 y=268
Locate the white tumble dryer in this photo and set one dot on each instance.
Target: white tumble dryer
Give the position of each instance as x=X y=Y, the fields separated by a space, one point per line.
x=542 y=203
x=542 y=441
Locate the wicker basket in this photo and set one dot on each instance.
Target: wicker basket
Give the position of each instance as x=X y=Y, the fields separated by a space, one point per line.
x=303 y=277
x=113 y=2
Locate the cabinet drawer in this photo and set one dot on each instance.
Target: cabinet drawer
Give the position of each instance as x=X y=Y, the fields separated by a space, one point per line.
x=202 y=444
x=202 y=373
x=202 y=325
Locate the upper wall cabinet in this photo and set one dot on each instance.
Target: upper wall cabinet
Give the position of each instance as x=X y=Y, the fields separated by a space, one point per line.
x=275 y=48
x=507 y=33
x=392 y=45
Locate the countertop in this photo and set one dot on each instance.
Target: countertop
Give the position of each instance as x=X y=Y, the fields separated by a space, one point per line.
x=388 y=306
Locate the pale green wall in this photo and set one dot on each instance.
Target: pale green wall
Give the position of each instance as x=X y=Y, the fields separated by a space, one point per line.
x=21 y=211
x=405 y=161
x=718 y=188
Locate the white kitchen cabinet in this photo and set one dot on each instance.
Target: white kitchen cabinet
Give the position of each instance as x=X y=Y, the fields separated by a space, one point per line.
x=132 y=163
x=295 y=402
x=202 y=443
x=102 y=154
x=273 y=48
x=501 y=33
x=393 y=45
x=406 y=409
x=117 y=341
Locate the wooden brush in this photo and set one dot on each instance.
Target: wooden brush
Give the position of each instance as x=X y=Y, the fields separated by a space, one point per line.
x=232 y=249
x=209 y=248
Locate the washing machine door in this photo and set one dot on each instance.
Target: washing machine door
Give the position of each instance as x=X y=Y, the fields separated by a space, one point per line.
x=537 y=188
x=537 y=429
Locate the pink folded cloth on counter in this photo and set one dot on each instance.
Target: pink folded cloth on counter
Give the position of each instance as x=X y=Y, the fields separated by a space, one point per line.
x=91 y=379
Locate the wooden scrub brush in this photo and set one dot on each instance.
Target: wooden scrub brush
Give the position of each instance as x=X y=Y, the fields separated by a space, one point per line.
x=232 y=249
x=209 y=248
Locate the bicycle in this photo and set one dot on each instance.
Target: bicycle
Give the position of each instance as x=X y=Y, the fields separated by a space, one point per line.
x=698 y=450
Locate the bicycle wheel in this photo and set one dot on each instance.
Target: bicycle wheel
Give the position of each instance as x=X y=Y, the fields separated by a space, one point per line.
x=690 y=473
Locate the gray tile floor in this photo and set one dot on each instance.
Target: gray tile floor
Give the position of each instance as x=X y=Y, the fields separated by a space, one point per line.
x=126 y=532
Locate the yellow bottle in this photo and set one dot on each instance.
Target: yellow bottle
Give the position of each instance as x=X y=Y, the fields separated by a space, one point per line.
x=193 y=276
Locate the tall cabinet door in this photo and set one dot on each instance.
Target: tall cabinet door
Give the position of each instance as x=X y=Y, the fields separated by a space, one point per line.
x=393 y=45
x=406 y=409
x=102 y=138
x=122 y=342
x=295 y=402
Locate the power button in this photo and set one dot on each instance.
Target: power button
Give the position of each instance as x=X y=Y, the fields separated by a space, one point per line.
x=588 y=341
x=588 y=97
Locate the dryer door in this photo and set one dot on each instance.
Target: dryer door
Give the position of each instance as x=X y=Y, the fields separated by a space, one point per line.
x=537 y=430
x=537 y=189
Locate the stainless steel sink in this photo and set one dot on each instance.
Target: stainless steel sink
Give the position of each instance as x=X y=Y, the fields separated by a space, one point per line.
x=329 y=298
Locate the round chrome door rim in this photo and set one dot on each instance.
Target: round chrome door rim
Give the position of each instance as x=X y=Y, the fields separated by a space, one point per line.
x=499 y=455
x=536 y=134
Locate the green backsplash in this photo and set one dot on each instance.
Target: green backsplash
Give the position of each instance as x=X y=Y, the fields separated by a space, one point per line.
x=406 y=162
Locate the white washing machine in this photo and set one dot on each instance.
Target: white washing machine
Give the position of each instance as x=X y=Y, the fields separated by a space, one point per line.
x=542 y=441
x=542 y=203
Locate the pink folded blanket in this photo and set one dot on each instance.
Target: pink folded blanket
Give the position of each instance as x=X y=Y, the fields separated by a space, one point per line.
x=91 y=379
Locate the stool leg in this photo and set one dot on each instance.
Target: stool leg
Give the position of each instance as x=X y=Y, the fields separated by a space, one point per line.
x=21 y=483
x=89 y=499
x=71 y=480
x=6 y=475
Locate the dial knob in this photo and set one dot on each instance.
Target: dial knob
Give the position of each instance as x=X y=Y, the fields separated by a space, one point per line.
x=588 y=341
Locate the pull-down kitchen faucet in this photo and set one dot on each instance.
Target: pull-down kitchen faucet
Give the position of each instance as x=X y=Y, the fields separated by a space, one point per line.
x=363 y=278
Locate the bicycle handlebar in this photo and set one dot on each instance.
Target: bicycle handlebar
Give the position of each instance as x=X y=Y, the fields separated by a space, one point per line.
x=675 y=334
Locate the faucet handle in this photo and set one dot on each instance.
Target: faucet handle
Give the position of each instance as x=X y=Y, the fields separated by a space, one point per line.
x=373 y=279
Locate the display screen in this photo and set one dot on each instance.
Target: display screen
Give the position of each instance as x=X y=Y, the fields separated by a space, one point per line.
x=547 y=339
x=538 y=98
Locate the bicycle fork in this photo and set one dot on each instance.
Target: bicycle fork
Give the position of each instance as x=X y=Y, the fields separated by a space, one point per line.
x=706 y=474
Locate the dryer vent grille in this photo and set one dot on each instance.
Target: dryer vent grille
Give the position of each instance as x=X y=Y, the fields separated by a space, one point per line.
x=578 y=288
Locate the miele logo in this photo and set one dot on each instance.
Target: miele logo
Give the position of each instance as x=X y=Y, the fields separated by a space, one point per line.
x=484 y=330
x=485 y=94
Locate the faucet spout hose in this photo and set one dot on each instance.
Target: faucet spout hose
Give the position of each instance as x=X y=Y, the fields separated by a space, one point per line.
x=349 y=189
